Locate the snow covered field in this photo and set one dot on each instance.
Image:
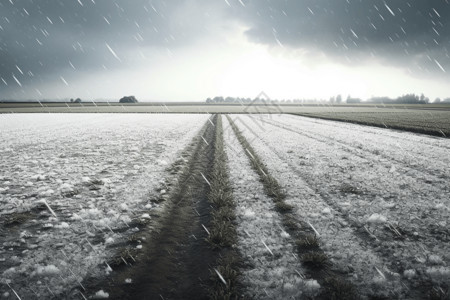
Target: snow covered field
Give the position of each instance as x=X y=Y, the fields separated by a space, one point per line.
x=73 y=188
x=378 y=198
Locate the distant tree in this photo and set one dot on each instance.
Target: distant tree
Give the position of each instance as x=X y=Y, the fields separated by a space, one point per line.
x=412 y=99
x=78 y=100
x=332 y=99
x=71 y=99
x=338 y=99
x=209 y=100
x=128 y=99
x=353 y=100
x=380 y=100
x=218 y=99
x=437 y=100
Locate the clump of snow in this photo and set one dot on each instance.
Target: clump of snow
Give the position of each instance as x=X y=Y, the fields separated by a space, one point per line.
x=378 y=280
x=9 y=271
x=47 y=270
x=139 y=247
x=47 y=193
x=109 y=240
x=145 y=216
x=409 y=273
x=65 y=188
x=376 y=219
x=439 y=273
x=162 y=162
x=62 y=225
x=47 y=225
x=249 y=214
x=85 y=179
x=108 y=269
x=101 y=295
x=106 y=181
x=311 y=287
x=326 y=211
x=285 y=235
x=128 y=280
x=75 y=217
x=435 y=259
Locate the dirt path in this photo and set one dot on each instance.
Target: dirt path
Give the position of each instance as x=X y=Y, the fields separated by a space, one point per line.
x=176 y=260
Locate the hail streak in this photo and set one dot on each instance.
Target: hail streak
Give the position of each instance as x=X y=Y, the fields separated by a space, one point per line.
x=112 y=52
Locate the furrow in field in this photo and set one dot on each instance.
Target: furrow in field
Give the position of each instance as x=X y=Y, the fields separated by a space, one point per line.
x=429 y=160
x=418 y=253
x=222 y=230
x=178 y=248
x=271 y=270
x=390 y=134
x=104 y=179
x=350 y=256
x=375 y=139
x=388 y=181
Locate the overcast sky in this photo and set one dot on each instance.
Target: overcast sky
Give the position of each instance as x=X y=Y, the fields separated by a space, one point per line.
x=188 y=50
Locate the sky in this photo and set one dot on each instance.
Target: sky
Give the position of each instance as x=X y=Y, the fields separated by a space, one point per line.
x=188 y=50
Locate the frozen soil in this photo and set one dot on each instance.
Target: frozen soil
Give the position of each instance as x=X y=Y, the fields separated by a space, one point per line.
x=74 y=189
x=115 y=206
x=271 y=269
x=176 y=249
x=382 y=215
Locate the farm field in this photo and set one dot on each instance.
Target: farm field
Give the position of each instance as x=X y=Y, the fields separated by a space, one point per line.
x=268 y=206
x=433 y=122
x=432 y=119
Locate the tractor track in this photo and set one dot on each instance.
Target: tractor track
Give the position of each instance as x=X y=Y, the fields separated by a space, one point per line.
x=176 y=260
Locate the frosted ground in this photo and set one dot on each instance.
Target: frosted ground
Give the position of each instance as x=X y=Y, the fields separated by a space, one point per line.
x=276 y=272
x=74 y=188
x=378 y=198
x=97 y=173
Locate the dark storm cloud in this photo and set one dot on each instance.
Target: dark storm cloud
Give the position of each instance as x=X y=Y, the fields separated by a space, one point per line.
x=39 y=39
x=415 y=34
x=42 y=40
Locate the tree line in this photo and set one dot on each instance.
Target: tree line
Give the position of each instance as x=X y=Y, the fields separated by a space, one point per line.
x=404 y=99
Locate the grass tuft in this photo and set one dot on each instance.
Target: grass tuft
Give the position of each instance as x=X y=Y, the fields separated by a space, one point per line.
x=315 y=260
x=309 y=242
x=15 y=219
x=222 y=234
x=228 y=269
x=283 y=207
x=338 y=289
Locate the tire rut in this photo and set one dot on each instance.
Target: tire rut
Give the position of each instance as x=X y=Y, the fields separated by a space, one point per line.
x=176 y=259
